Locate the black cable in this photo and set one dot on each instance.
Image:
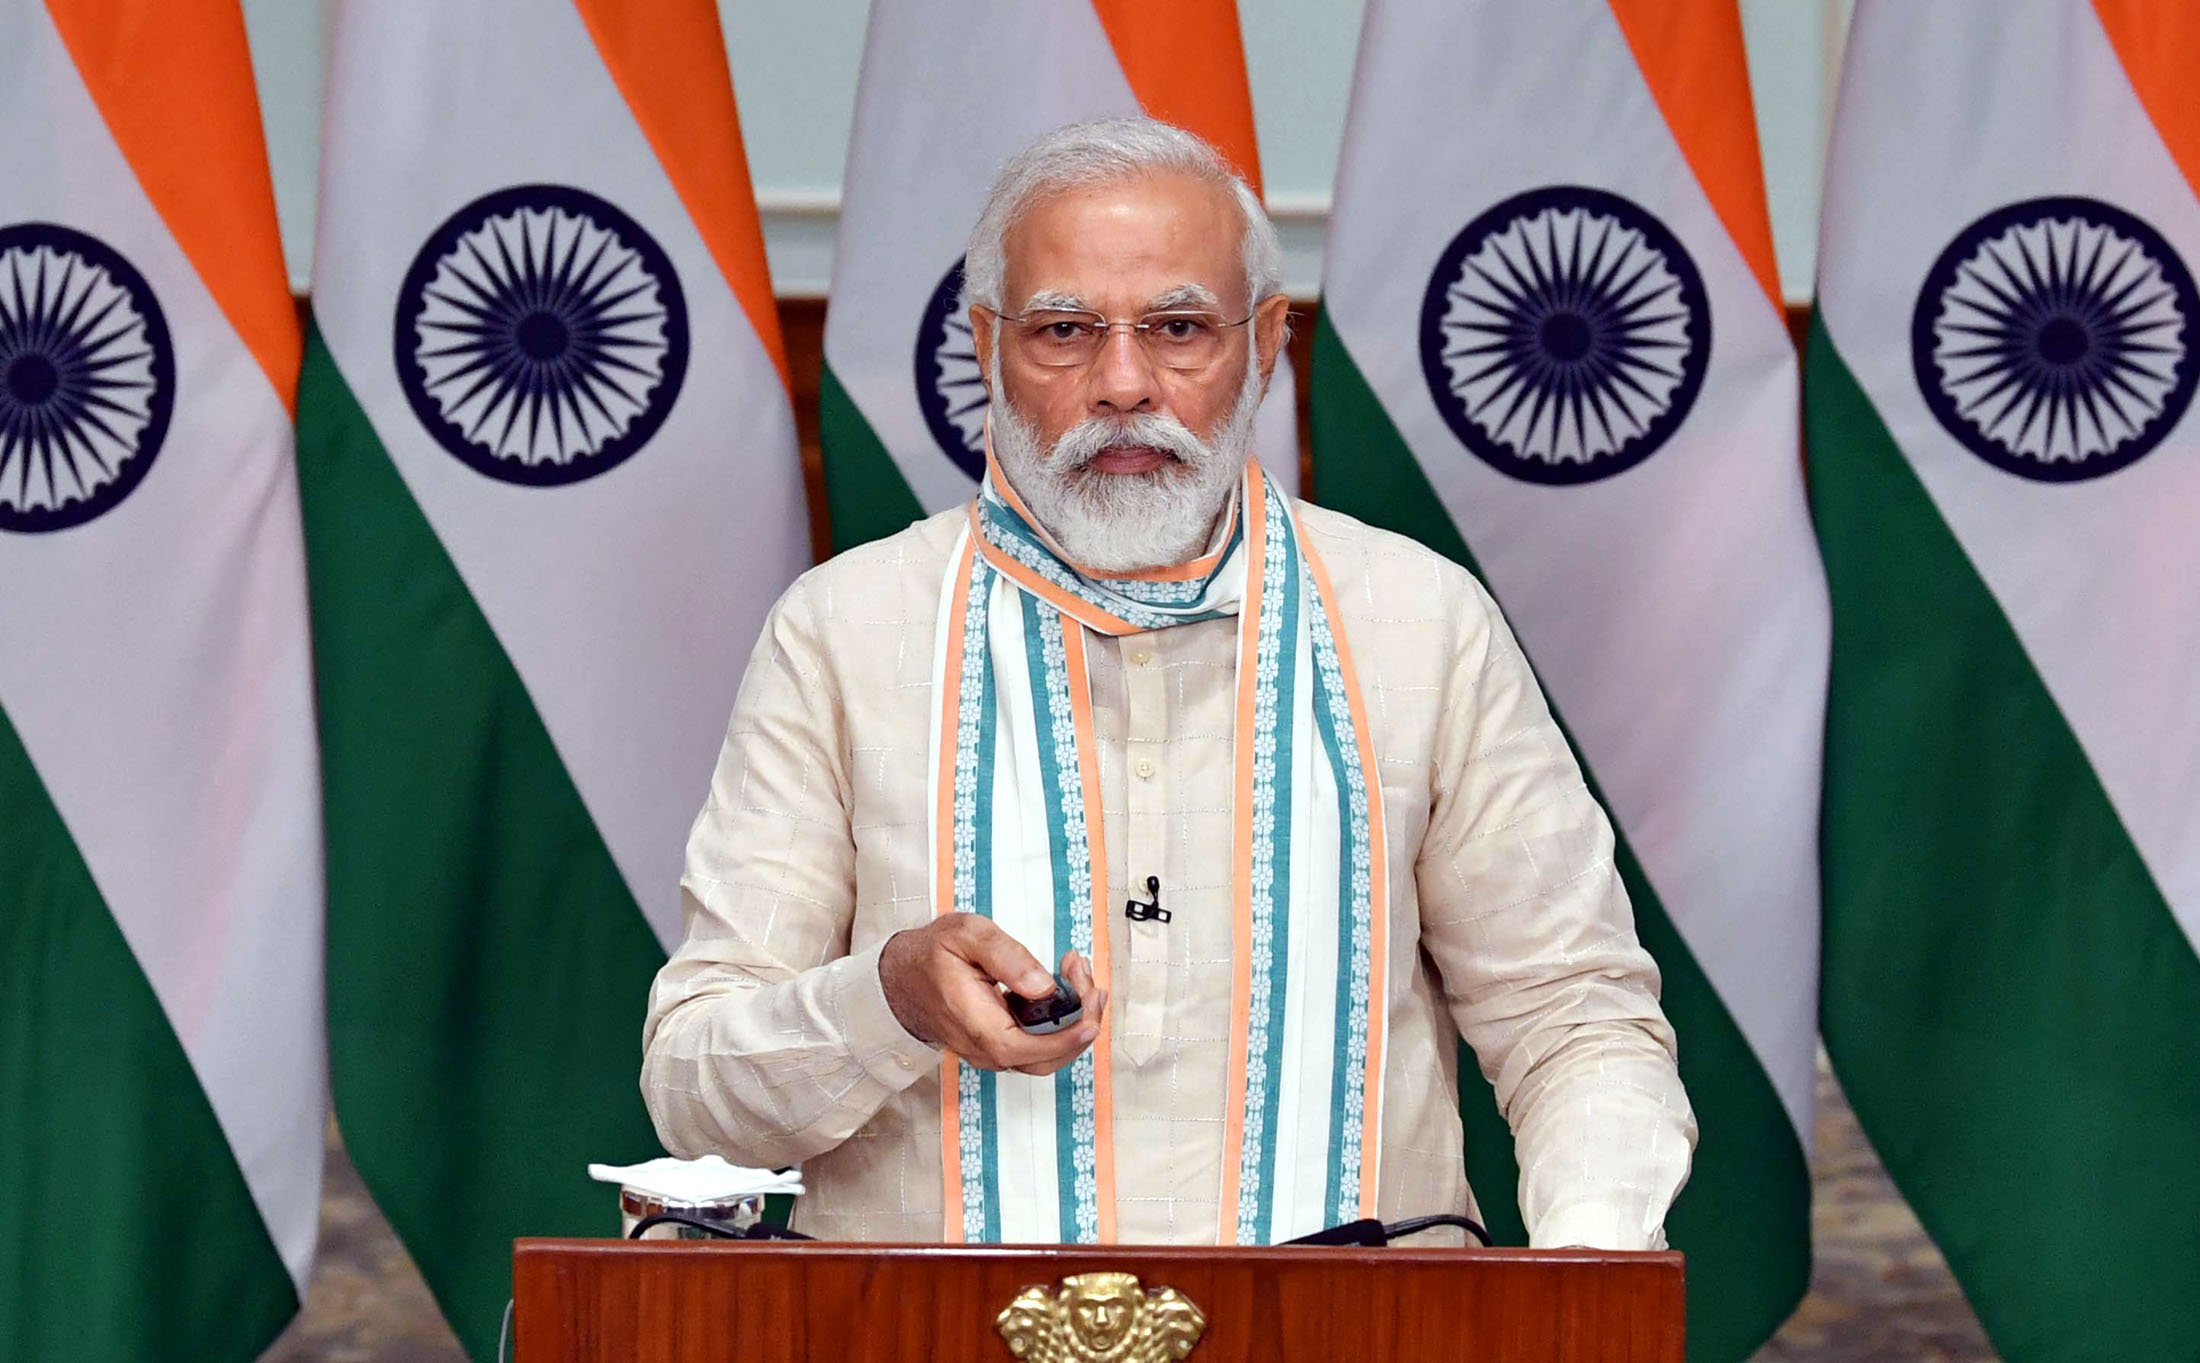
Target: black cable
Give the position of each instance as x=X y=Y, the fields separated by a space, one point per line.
x=765 y=1230
x=1372 y=1233
x=1414 y=1225
x=1368 y=1232
x=762 y=1230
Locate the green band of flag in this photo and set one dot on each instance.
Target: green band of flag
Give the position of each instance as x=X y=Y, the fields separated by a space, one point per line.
x=487 y=966
x=2008 y=1003
x=126 y=1228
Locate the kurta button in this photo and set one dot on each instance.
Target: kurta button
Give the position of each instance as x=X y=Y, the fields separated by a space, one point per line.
x=1145 y=767
x=1140 y=657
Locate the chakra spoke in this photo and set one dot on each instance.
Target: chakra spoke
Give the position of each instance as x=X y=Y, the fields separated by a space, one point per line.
x=599 y=392
x=585 y=283
x=482 y=282
x=489 y=316
x=1517 y=293
x=1571 y=295
x=1460 y=294
x=1480 y=348
x=95 y=345
x=600 y=306
x=2010 y=304
x=76 y=299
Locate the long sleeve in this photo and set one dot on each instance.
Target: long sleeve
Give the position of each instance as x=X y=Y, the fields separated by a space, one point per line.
x=767 y=1042
x=1525 y=917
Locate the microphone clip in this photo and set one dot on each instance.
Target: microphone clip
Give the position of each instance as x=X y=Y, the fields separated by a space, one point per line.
x=1141 y=912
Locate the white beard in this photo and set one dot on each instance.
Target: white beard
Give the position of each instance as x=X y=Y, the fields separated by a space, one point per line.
x=1127 y=522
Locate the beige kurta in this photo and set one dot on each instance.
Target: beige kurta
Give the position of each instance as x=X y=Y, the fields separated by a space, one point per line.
x=770 y=1042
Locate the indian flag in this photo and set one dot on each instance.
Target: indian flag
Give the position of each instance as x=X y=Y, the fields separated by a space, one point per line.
x=551 y=488
x=951 y=89
x=1552 y=347
x=2006 y=476
x=161 y=1078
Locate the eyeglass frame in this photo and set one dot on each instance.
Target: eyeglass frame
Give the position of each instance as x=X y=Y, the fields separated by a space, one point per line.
x=1140 y=329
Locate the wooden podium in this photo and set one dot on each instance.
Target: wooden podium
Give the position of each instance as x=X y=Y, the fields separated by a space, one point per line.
x=590 y=1301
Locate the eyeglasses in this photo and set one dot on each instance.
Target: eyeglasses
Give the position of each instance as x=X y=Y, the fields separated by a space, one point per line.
x=1174 y=339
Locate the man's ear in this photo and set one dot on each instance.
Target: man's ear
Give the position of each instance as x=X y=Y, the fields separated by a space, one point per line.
x=1271 y=325
x=981 y=331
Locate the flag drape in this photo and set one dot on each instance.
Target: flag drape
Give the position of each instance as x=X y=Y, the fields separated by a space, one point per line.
x=551 y=489
x=1551 y=347
x=161 y=1073
x=2006 y=481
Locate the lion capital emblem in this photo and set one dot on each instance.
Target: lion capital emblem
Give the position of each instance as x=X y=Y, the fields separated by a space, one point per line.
x=1101 y=1318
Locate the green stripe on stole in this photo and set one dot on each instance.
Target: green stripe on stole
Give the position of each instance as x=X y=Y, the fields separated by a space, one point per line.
x=1343 y=1195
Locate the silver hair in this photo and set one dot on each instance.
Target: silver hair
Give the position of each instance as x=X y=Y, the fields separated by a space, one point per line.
x=1102 y=152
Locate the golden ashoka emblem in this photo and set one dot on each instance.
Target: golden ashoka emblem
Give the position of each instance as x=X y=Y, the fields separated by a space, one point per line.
x=1101 y=1318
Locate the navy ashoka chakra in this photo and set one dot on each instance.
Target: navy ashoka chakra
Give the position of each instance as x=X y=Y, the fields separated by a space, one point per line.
x=2053 y=338
x=1564 y=335
x=87 y=377
x=950 y=388
x=541 y=335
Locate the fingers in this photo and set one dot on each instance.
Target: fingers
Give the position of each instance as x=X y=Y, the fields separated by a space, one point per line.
x=1078 y=971
x=971 y=1018
x=1012 y=1048
x=1086 y=1032
x=1006 y=1046
x=1074 y=1042
x=981 y=942
x=948 y=976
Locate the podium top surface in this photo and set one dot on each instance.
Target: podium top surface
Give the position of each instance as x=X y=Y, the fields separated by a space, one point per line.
x=1652 y=1262
x=762 y=1302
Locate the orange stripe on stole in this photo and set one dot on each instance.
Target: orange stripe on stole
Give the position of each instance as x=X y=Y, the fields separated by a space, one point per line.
x=1075 y=607
x=943 y=894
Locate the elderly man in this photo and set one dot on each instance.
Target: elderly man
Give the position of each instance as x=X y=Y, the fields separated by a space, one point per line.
x=1276 y=789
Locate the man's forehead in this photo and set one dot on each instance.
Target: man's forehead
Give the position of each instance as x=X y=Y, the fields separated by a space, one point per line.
x=1151 y=242
x=1188 y=293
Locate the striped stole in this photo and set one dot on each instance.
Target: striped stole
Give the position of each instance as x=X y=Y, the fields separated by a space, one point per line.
x=1016 y=830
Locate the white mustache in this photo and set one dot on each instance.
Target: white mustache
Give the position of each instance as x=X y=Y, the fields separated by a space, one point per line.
x=1088 y=440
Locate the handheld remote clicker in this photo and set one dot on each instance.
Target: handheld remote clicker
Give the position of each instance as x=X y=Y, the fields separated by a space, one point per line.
x=1059 y=1010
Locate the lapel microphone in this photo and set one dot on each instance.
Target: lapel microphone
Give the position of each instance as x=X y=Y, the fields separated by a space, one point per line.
x=1147 y=912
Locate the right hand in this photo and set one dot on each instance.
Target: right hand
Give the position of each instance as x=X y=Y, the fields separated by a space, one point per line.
x=944 y=980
